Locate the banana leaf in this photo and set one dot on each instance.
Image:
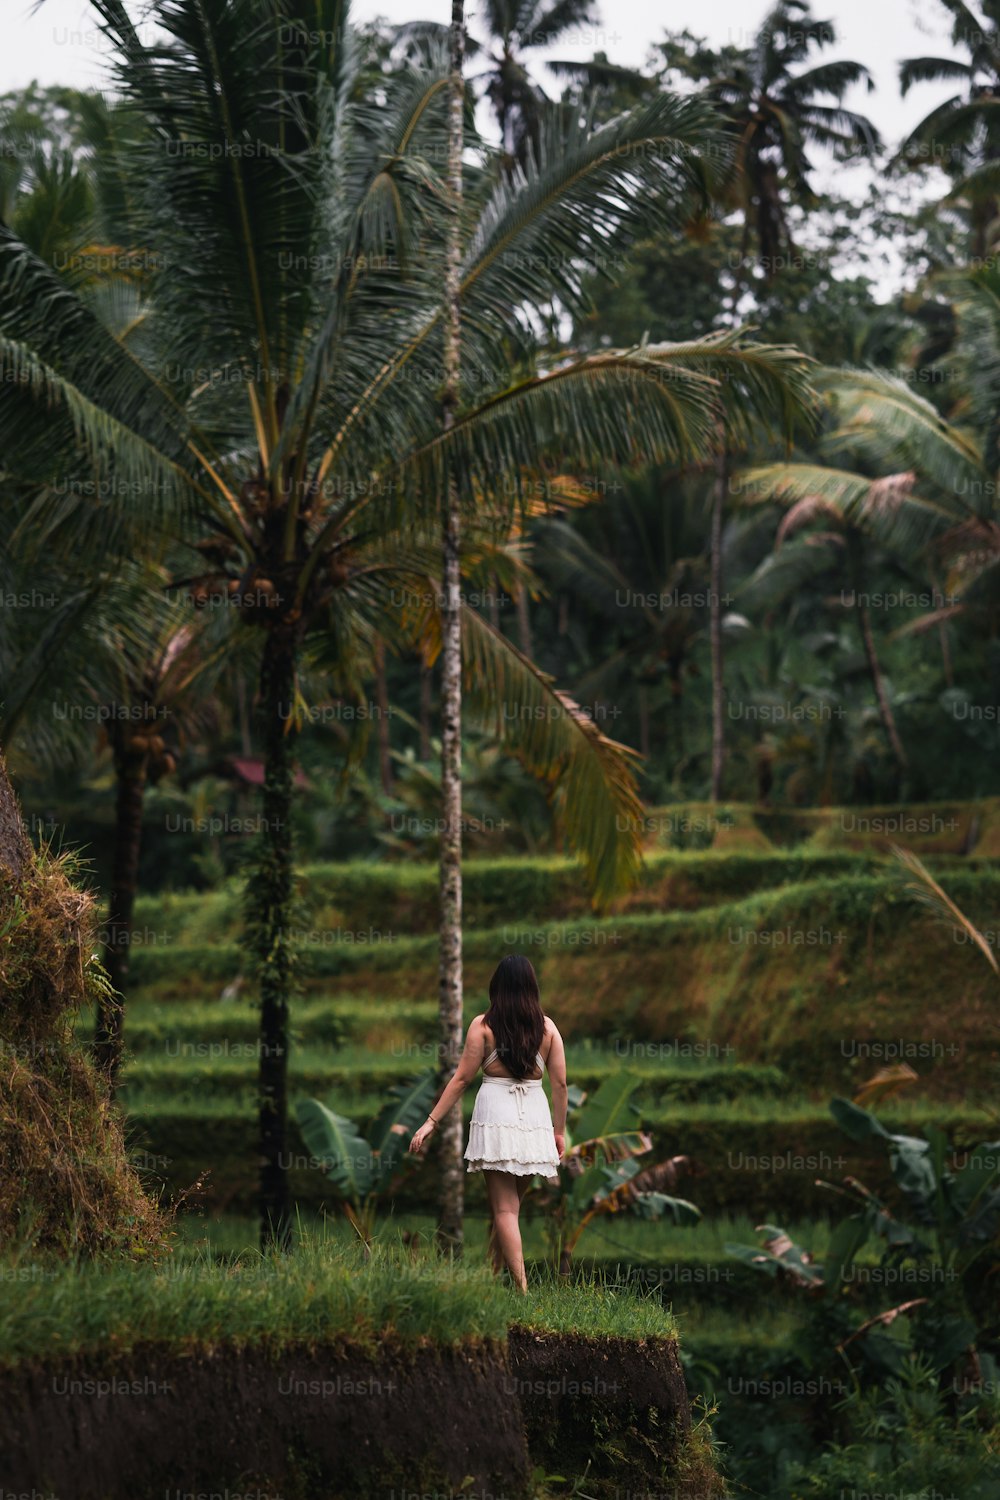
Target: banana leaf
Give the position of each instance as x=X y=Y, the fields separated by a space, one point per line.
x=845 y=1242
x=338 y=1148
x=390 y=1132
x=665 y=1206
x=979 y=1173
x=610 y=1110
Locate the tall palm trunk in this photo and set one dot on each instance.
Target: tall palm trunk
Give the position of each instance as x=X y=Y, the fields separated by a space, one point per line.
x=269 y=917
x=130 y=778
x=450 y=961
x=855 y=554
x=715 y=579
x=878 y=683
x=715 y=617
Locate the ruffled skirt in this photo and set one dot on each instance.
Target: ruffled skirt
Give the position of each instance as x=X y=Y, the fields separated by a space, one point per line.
x=511 y=1129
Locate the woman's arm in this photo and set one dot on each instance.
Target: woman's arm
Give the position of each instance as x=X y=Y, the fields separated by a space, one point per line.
x=468 y=1066
x=556 y=1064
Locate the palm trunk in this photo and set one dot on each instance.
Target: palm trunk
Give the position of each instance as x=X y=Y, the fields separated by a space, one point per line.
x=715 y=576
x=382 y=704
x=269 y=938
x=130 y=775
x=855 y=555
x=946 y=666
x=452 y=1184
x=715 y=618
x=878 y=683
x=15 y=848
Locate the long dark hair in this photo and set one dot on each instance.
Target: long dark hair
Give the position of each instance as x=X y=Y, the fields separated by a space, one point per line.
x=515 y=1014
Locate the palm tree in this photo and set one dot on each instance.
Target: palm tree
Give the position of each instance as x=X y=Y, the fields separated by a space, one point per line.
x=119 y=655
x=450 y=952
x=962 y=135
x=638 y=569
x=164 y=676
x=913 y=485
x=774 y=110
x=514 y=29
x=282 y=407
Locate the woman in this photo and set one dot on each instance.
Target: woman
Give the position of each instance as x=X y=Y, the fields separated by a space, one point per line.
x=512 y=1138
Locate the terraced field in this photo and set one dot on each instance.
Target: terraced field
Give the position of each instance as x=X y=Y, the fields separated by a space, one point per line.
x=743 y=983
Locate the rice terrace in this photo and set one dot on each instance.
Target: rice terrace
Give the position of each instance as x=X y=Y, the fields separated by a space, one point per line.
x=499 y=751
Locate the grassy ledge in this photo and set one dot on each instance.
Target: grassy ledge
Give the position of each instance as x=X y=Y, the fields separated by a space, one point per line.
x=323 y=1294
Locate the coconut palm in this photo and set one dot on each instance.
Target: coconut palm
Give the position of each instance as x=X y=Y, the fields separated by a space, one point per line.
x=283 y=405
x=450 y=1007
x=776 y=109
x=908 y=483
x=962 y=135
x=118 y=659
x=515 y=29
x=638 y=568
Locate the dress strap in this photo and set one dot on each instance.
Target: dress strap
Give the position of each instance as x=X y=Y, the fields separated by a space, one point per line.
x=496 y=1053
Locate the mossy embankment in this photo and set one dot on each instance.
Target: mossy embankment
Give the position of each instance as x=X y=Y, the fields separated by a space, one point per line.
x=322 y=1374
x=65 y=1179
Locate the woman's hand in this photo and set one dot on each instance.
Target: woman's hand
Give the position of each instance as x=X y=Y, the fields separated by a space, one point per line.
x=560 y=1143
x=422 y=1136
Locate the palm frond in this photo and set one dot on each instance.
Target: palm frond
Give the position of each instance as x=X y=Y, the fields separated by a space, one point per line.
x=899 y=429
x=927 y=890
x=591 y=775
x=931 y=70
x=661 y=403
x=887 y=509
x=118 y=458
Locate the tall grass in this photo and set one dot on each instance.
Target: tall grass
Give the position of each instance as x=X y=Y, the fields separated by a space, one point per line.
x=326 y=1293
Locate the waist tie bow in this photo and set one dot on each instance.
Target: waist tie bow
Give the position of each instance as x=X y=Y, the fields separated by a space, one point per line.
x=520 y=1092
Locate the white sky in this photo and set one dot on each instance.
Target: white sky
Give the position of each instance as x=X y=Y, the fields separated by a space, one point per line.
x=59 y=43
x=56 y=41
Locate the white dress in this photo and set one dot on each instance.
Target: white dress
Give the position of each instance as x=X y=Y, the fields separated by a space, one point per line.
x=511 y=1129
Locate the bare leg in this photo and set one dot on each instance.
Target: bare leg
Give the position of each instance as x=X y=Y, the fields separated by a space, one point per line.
x=493 y=1249
x=505 y=1202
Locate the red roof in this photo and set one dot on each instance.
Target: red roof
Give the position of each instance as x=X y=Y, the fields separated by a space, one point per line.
x=251 y=770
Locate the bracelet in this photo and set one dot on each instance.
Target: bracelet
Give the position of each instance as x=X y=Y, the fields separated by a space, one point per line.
x=432 y=1120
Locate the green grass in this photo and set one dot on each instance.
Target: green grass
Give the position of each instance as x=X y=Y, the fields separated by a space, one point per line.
x=228 y=1067
x=317 y=1296
x=795 y=977
x=322 y=1294
x=633 y=1240
x=722 y=1333
x=728 y=1116
x=592 y=1309
x=343 y=897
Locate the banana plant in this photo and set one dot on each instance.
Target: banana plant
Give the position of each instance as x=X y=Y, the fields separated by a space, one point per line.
x=603 y=1172
x=363 y=1172
x=945 y=1236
